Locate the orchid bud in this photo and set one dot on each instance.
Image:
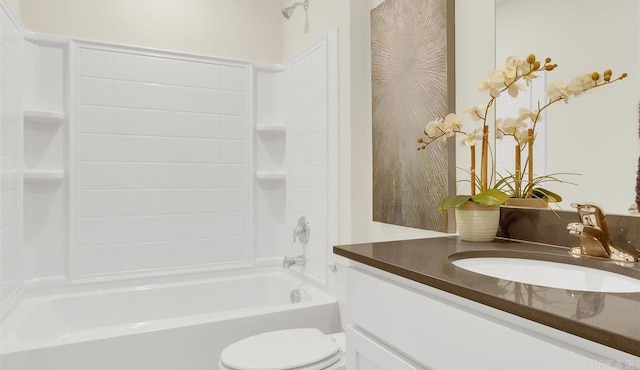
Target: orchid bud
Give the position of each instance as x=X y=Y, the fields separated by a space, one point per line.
x=607 y=78
x=550 y=67
x=548 y=60
x=608 y=72
x=624 y=75
x=420 y=140
x=531 y=58
x=536 y=64
x=595 y=76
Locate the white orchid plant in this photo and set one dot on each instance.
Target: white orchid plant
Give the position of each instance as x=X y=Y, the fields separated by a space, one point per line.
x=512 y=79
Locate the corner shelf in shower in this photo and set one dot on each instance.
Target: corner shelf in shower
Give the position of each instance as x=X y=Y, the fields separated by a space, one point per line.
x=271 y=175
x=44 y=175
x=44 y=117
x=271 y=129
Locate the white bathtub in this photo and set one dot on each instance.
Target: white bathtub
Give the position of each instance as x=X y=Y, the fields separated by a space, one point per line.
x=157 y=324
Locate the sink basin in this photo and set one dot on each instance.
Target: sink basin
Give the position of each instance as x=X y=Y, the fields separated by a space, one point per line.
x=550 y=274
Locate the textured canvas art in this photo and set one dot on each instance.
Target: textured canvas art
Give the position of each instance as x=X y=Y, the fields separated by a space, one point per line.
x=411 y=60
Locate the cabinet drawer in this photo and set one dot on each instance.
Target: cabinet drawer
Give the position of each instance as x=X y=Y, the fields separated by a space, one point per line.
x=365 y=353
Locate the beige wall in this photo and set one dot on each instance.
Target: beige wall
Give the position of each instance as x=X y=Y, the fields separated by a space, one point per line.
x=351 y=18
x=242 y=29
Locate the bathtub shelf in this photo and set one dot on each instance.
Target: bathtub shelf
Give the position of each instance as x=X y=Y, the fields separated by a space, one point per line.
x=44 y=117
x=271 y=175
x=43 y=175
x=272 y=129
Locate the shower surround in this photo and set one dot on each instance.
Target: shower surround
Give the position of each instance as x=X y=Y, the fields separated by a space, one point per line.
x=162 y=161
x=140 y=163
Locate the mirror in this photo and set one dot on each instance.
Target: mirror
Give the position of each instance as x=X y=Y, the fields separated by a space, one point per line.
x=596 y=134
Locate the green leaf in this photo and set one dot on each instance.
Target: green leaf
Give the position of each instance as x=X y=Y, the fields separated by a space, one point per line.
x=490 y=197
x=453 y=202
x=547 y=194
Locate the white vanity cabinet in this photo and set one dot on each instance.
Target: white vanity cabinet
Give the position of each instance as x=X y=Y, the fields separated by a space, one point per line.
x=393 y=323
x=366 y=353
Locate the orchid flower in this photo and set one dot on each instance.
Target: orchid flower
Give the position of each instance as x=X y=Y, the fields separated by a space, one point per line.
x=472 y=138
x=432 y=130
x=527 y=113
x=578 y=85
x=510 y=126
x=451 y=124
x=557 y=89
x=493 y=83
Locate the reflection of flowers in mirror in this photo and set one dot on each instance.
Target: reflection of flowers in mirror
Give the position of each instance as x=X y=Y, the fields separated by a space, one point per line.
x=522 y=130
x=512 y=79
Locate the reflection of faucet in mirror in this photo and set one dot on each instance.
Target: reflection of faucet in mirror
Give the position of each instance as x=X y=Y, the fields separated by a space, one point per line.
x=593 y=234
x=589 y=303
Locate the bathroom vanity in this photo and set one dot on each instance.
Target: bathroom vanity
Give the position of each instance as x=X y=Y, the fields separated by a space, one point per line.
x=408 y=306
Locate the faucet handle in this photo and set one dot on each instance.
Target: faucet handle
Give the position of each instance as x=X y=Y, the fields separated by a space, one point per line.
x=593 y=233
x=592 y=215
x=302 y=230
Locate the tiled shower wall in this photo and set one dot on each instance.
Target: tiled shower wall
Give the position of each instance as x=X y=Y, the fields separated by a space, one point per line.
x=308 y=161
x=10 y=157
x=162 y=162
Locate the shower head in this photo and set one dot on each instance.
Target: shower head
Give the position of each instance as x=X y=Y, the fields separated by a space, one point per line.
x=286 y=12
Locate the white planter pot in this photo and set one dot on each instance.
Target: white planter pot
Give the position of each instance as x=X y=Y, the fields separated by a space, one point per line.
x=476 y=223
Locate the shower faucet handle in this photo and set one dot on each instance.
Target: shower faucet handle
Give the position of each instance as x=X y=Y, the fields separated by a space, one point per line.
x=302 y=230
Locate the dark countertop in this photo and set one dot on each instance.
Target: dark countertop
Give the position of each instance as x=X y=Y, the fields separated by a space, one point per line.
x=611 y=319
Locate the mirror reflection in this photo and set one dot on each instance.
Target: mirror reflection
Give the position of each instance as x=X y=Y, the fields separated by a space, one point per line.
x=595 y=135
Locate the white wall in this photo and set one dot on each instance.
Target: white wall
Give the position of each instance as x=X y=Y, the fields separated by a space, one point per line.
x=307 y=156
x=45 y=202
x=323 y=16
x=241 y=29
x=163 y=170
x=11 y=188
x=15 y=6
x=269 y=208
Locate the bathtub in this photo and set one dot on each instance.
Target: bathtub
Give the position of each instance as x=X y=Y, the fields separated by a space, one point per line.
x=166 y=323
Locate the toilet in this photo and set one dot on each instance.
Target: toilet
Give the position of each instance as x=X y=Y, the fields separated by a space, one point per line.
x=299 y=349
x=292 y=349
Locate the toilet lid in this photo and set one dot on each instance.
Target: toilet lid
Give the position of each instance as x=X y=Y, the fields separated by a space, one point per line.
x=283 y=349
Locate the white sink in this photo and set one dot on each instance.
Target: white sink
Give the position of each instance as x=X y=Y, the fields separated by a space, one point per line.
x=550 y=274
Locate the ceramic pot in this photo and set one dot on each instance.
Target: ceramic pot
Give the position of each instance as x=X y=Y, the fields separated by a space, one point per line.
x=476 y=223
x=527 y=202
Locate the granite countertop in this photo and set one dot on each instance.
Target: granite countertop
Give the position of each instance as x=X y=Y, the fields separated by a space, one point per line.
x=611 y=319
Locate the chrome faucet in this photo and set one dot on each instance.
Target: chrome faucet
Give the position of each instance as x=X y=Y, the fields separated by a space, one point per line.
x=294 y=261
x=593 y=233
x=302 y=230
